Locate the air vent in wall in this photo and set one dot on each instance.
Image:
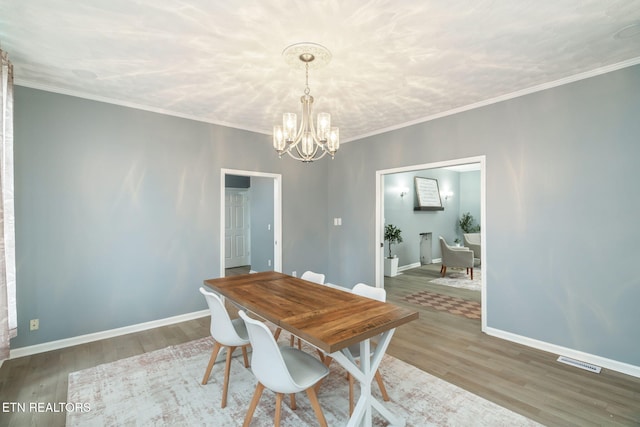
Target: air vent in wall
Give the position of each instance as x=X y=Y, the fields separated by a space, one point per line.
x=579 y=364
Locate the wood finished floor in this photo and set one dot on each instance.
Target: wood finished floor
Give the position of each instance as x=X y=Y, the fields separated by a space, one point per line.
x=525 y=380
x=451 y=347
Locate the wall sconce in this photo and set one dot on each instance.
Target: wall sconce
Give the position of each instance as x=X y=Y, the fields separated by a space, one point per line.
x=446 y=194
x=404 y=191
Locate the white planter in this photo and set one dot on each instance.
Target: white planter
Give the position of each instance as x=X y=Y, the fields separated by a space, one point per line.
x=391 y=266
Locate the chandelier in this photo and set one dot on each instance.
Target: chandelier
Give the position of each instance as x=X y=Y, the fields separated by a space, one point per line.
x=306 y=143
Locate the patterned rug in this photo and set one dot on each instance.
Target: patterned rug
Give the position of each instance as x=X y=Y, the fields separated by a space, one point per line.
x=162 y=388
x=453 y=305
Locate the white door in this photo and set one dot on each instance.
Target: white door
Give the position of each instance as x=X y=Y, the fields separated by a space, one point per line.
x=237 y=228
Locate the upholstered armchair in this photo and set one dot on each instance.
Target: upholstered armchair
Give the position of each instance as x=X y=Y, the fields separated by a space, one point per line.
x=455 y=257
x=472 y=241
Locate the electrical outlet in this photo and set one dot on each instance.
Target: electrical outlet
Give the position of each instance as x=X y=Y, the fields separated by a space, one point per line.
x=269 y=263
x=294 y=274
x=34 y=324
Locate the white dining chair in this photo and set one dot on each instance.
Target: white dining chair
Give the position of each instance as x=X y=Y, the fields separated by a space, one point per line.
x=372 y=292
x=313 y=277
x=378 y=294
x=283 y=370
x=227 y=333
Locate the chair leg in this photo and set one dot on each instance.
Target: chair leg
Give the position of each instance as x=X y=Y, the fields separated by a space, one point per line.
x=277 y=334
x=443 y=270
x=327 y=360
x=212 y=360
x=313 y=398
x=227 y=370
x=276 y=421
x=292 y=396
x=292 y=342
x=244 y=354
x=383 y=389
x=471 y=273
x=441 y=267
x=253 y=404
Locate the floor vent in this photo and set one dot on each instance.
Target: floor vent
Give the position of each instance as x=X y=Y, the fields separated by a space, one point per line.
x=579 y=364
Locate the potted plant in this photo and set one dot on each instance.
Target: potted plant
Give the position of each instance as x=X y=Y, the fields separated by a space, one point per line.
x=393 y=235
x=457 y=241
x=466 y=223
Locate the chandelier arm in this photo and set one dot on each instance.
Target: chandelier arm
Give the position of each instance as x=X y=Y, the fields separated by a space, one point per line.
x=324 y=153
x=300 y=132
x=301 y=155
x=313 y=131
x=293 y=156
x=317 y=141
x=287 y=149
x=304 y=158
x=306 y=101
x=311 y=156
x=308 y=122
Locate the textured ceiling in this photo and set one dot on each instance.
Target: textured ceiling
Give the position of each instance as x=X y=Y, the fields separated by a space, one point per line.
x=394 y=62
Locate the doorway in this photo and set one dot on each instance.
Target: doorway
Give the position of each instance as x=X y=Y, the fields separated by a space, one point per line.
x=250 y=225
x=407 y=190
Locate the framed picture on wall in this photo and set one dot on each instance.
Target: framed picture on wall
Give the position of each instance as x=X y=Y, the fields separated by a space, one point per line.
x=428 y=194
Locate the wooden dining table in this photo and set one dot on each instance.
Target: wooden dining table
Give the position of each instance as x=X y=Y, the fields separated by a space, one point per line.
x=328 y=318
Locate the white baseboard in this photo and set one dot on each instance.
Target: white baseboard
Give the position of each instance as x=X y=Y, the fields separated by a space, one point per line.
x=603 y=362
x=82 y=339
x=614 y=365
x=417 y=264
x=409 y=266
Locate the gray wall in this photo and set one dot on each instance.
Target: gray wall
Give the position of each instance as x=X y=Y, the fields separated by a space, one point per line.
x=562 y=197
x=118 y=212
x=469 y=196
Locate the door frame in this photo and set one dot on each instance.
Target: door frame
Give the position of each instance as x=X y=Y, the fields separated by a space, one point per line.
x=379 y=224
x=277 y=213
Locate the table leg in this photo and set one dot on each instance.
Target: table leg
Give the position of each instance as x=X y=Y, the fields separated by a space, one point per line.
x=365 y=374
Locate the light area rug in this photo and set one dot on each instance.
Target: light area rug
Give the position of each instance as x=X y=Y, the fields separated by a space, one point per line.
x=162 y=388
x=460 y=279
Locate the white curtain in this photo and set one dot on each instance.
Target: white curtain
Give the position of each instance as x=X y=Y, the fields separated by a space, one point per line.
x=8 y=316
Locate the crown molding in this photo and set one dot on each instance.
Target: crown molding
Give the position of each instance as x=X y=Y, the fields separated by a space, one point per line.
x=560 y=82
x=512 y=95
